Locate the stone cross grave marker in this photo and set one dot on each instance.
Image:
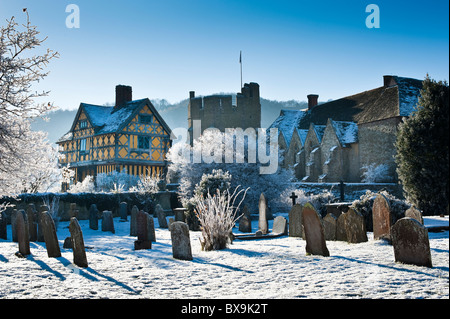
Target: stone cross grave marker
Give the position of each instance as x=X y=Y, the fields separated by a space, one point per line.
x=382 y=219
x=293 y=197
x=411 y=243
x=314 y=233
x=263 y=223
x=50 y=237
x=355 y=227
x=93 y=217
x=23 y=235
x=295 y=221
x=108 y=221
x=181 y=243
x=76 y=235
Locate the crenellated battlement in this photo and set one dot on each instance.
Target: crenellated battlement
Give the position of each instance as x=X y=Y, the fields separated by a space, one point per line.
x=226 y=110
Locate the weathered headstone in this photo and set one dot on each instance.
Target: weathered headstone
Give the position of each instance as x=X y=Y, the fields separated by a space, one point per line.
x=23 y=236
x=382 y=219
x=93 y=217
x=123 y=211
x=108 y=221
x=341 y=231
x=161 y=215
x=143 y=241
x=263 y=223
x=355 y=227
x=13 y=225
x=133 y=221
x=76 y=235
x=295 y=221
x=314 y=234
x=329 y=226
x=50 y=237
x=40 y=236
x=151 y=228
x=181 y=243
x=3 y=226
x=411 y=243
x=280 y=225
x=245 y=224
x=32 y=221
x=414 y=213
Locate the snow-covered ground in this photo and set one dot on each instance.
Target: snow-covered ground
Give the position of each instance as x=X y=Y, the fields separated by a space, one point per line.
x=259 y=269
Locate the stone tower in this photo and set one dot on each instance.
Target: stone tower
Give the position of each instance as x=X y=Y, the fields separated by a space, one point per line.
x=225 y=111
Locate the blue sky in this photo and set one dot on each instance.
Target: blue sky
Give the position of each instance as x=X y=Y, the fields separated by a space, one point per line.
x=164 y=49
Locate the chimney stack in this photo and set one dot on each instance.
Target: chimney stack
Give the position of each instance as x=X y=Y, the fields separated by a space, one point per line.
x=312 y=100
x=191 y=94
x=389 y=80
x=123 y=95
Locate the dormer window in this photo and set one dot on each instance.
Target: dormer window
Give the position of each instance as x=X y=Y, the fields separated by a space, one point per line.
x=83 y=124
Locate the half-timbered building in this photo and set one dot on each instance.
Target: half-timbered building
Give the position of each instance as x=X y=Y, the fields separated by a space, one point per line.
x=130 y=136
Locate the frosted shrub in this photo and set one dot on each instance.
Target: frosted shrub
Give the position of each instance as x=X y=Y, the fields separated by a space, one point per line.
x=375 y=174
x=112 y=182
x=217 y=216
x=53 y=208
x=86 y=186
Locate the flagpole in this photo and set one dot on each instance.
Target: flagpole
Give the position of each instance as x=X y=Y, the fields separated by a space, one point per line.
x=240 y=61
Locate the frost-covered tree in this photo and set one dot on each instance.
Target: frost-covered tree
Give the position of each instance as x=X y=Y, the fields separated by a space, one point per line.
x=243 y=169
x=422 y=150
x=26 y=158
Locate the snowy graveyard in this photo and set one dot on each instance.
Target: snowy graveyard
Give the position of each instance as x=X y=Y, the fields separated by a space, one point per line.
x=262 y=268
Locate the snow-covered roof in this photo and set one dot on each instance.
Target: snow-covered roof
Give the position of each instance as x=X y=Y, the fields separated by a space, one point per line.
x=408 y=94
x=287 y=122
x=346 y=132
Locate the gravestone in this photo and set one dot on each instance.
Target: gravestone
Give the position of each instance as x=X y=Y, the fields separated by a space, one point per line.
x=161 y=215
x=341 y=231
x=180 y=214
x=181 y=243
x=93 y=217
x=295 y=221
x=133 y=220
x=280 y=225
x=382 y=219
x=143 y=241
x=329 y=226
x=151 y=228
x=3 y=226
x=411 y=243
x=13 y=225
x=245 y=224
x=23 y=236
x=32 y=221
x=123 y=212
x=263 y=224
x=414 y=213
x=355 y=227
x=40 y=236
x=314 y=233
x=50 y=237
x=76 y=235
x=108 y=221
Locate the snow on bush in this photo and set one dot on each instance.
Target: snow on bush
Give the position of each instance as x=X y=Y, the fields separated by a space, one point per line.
x=217 y=216
x=376 y=173
x=86 y=186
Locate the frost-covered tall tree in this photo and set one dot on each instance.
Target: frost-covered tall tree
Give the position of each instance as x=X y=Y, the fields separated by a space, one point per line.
x=26 y=158
x=422 y=150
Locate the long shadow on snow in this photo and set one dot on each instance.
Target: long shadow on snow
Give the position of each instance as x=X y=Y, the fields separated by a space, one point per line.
x=202 y=261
